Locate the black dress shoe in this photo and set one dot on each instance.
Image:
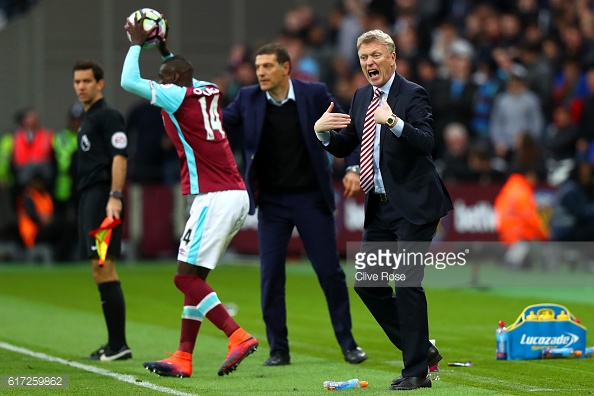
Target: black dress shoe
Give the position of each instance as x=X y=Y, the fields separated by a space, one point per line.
x=410 y=383
x=355 y=356
x=278 y=359
x=433 y=358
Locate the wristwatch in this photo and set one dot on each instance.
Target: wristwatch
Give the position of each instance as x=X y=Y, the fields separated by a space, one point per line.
x=354 y=168
x=391 y=121
x=116 y=194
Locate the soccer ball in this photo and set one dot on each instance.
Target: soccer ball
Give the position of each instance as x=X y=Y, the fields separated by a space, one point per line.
x=151 y=19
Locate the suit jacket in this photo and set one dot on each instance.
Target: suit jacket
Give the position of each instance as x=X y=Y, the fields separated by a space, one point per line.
x=412 y=184
x=245 y=116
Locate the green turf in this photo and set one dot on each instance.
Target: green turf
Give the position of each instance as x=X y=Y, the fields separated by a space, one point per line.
x=55 y=311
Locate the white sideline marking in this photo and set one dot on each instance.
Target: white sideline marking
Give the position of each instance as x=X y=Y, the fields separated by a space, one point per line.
x=509 y=384
x=96 y=370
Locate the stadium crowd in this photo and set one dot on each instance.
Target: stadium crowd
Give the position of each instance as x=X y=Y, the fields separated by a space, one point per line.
x=511 y=84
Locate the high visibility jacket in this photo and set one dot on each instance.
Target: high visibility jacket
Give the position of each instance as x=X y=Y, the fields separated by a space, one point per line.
x=38 y=150
x=6 y=146
x=516 y=212
x=44 y=207
x=64 y=144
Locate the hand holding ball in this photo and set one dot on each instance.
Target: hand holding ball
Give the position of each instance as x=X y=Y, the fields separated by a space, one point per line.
x=151 y=20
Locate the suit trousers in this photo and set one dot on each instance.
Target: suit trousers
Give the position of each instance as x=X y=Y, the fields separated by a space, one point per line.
x=402 y=314
x=278 y=215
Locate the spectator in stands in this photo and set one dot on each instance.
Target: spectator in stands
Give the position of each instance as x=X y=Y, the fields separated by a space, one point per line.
x=453 y=167
x=32 y=149
x=453 y=95
x=487 y=86
x=573 y=212
x=349 y=27
x=483 y=169
x=570 y=88
x=305 y=67
x=147 y=153
x=241 y=74
x=65 y=198
x=426 y=75
x=527 y=153
x=539 y=73
x=446 y=38
x=561 y=142
x=574 y=45
x=515 y=111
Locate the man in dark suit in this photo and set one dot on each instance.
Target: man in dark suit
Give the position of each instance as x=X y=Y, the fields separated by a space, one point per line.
x=404 y=196
x=289 y=178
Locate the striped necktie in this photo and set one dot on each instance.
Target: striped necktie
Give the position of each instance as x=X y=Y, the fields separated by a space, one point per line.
x=366 y=159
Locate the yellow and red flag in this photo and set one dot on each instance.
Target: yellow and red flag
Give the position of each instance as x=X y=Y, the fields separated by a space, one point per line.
x=102 y=236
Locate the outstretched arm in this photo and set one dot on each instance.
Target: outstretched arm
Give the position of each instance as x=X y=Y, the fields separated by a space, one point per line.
x=131 y=80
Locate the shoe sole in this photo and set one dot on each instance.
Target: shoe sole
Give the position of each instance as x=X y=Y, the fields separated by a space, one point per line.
x=251 y=349
x=163 y=373
x=123 y=355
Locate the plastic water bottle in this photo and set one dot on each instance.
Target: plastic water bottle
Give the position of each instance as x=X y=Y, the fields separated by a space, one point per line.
x=560 y=353
x=501 y=337
x=341 y=385
x=589 y=352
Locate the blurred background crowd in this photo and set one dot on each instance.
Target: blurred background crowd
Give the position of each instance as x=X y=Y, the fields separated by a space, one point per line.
x=511 y=84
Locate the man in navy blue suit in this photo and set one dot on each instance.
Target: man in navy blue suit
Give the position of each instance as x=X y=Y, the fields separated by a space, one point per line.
x=289 y=179
x=404 y=197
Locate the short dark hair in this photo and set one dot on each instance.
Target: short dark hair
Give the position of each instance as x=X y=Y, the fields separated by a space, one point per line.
x=282 y=55
x=86 y=64
x=19 y=116
x=178 y=62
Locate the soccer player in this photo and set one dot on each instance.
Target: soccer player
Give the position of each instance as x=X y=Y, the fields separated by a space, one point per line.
x=192 y=118
x=102 y=164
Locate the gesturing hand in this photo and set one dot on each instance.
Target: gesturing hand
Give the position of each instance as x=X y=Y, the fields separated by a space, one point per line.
x=330 y=120
x=383 y=112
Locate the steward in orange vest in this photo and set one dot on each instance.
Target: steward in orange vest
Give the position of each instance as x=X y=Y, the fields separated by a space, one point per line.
x=516 y=211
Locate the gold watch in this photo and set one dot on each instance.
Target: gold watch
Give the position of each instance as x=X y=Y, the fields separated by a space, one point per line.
x=391 y=121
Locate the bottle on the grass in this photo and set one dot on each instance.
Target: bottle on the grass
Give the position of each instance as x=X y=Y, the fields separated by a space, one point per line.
x=341 y=385
x=560 y=353
x=501 y=337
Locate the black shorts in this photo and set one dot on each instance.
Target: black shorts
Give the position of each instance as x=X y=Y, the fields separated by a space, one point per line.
x=91 y=212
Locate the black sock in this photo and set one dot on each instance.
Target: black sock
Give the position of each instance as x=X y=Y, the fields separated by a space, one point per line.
x=114 y=311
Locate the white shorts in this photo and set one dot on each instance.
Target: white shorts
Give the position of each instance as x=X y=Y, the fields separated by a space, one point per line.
x=214 y=220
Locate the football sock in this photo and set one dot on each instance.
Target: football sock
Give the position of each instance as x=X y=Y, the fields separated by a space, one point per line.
x=200 y=300
x=114 y=311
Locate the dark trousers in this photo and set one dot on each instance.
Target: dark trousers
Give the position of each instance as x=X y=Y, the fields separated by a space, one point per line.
x=278 y=215
x=401 y=314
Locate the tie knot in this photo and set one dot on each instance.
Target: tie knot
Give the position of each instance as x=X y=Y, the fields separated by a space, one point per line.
x=377 y=93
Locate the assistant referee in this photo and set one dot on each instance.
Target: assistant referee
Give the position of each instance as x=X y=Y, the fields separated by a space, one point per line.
x=102 y=152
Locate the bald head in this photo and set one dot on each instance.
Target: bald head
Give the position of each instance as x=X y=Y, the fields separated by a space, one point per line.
x=176 y=70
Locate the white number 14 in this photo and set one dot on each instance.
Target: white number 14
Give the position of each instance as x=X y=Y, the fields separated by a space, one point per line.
x=212 y=122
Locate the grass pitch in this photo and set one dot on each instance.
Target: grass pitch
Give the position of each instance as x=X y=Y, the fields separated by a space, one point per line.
x=50 y=317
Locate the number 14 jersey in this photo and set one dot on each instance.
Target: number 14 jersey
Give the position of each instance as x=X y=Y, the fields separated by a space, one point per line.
x=194 y=125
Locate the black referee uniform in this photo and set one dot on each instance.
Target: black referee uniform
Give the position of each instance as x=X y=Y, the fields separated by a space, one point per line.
x=100 y=138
